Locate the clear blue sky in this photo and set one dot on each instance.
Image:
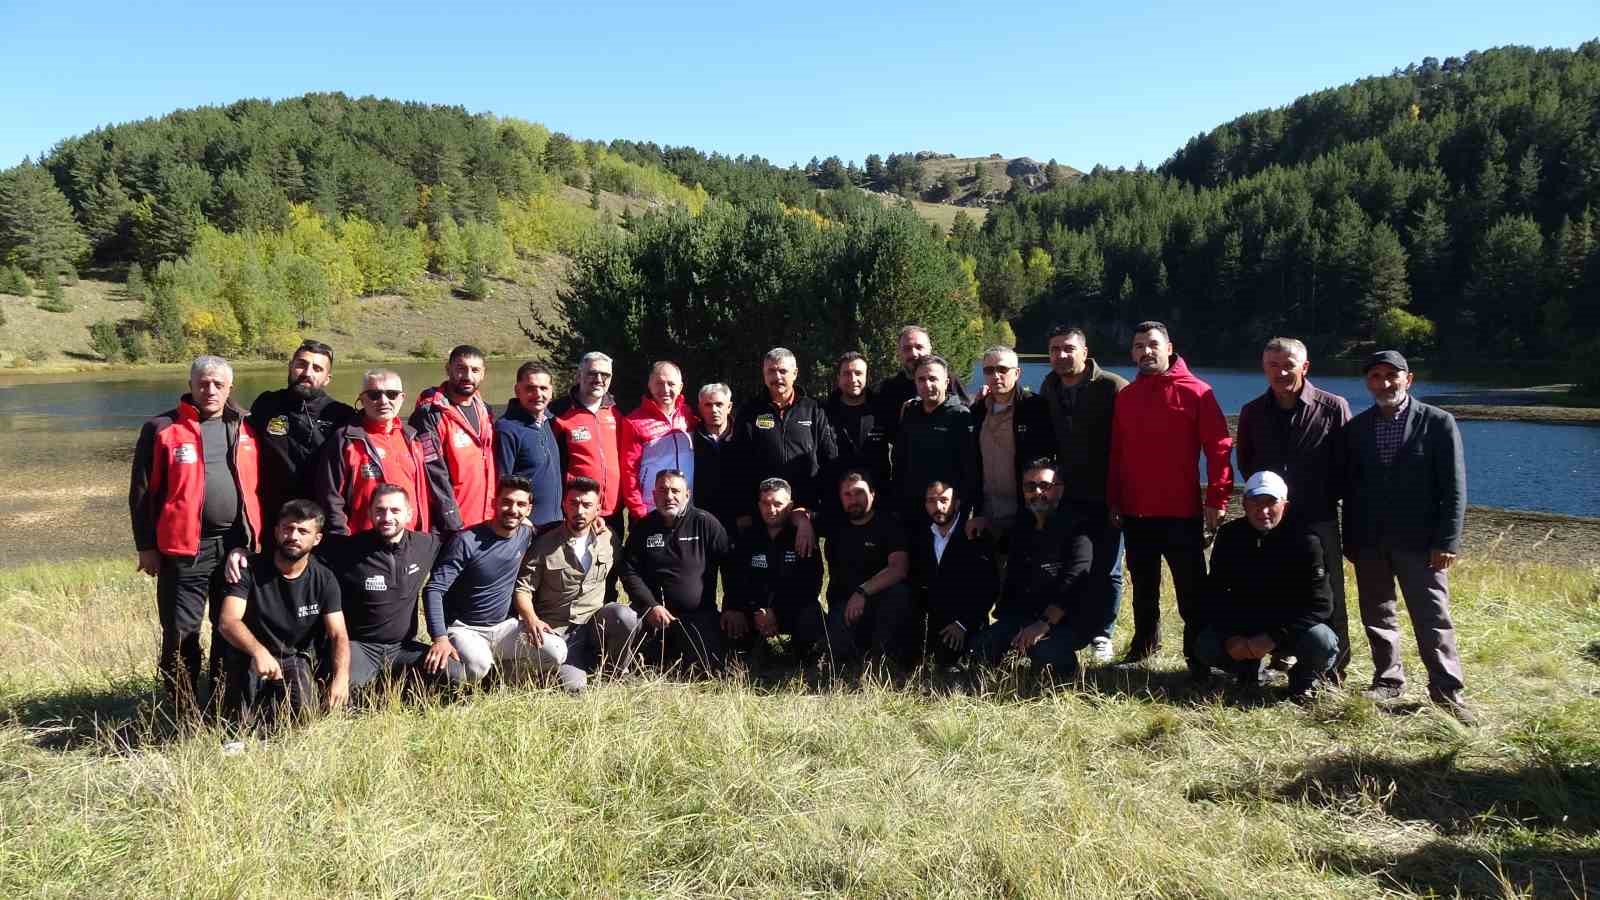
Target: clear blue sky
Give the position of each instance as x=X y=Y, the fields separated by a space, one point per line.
x=1112 y=83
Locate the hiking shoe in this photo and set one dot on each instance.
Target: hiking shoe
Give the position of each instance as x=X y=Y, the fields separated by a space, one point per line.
x=1101 y=649
x=1303 y=695
x=232 y=748
x=1282 y=663
x=1455 y=707
x=1139 y=651
x=1380 y=693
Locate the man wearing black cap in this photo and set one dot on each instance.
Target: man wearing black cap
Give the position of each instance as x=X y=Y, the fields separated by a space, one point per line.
x=1405 y=503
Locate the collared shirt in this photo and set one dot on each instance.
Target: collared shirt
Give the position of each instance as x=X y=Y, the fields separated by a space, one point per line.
x=1390 y=432
x=941 y=540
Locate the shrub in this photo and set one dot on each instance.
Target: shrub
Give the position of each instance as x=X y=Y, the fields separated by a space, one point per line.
x=1405 y=331
x=103 y=339
x=15 y=281
x=135 y=346
x=55 y=298
x=135 y=288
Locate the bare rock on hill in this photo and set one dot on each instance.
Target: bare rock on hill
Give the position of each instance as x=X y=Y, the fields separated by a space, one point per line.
x=925 y=155
x=1022 y=166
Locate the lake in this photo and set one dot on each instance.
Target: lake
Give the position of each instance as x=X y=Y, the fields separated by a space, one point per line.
x=1515 y=465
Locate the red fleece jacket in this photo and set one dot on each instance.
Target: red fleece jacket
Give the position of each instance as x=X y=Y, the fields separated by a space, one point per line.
x=1159 y=428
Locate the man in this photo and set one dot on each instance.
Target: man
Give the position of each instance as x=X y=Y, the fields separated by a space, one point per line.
x=716 y=479
x=585 y=423
x=870 y=605
x=272 y=617
x=934 y=442
x=563 y=579
x=954 y=574
x=1405 y=504
x=192 y=498
x=655 y=437
x=525 y=443
x=1161 y=424
x=1042 y=613
x=380 y=571
x=1297 y=430
x=472 y=616
x=1268 y=592
x=379 y=449
x=669 y=569
x=782 y=433
x=292 y=424
x=457 y=430
x=1079 y=397
x=894 y=392
x=1013 y=428
x=860 y=434
x=771 y=588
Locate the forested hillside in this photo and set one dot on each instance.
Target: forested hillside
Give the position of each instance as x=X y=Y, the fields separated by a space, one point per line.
x=1447 y=207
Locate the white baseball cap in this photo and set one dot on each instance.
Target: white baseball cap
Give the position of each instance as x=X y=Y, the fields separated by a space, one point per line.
x=1267 y=483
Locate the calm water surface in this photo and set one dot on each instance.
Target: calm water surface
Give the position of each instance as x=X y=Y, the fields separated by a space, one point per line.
x=1517 y=465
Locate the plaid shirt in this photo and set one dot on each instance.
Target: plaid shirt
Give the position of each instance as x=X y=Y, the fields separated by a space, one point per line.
x=1391 y=432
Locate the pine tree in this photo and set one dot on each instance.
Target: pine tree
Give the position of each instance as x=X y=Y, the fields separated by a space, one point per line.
x=1504 y=292
x=1386 y=287
x=874 y=170
x=107 y=216
x=1431 y=257
x=1525 y=181
x=37 y=230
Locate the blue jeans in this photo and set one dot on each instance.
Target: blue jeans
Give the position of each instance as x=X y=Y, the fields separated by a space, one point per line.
x=1058 y=649
x=1314 y=650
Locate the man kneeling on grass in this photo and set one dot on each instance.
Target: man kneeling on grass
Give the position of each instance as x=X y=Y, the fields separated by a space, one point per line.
x=770 y=586
x=272 y=617
x=669 y=569
x=563 y=578
x=1268 y=590
x=468 y=602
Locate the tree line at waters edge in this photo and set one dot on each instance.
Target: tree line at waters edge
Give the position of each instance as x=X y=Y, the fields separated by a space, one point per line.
x=1449 y=208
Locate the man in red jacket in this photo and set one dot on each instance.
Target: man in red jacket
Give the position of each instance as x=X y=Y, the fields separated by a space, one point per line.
x=656 y=436
x=457 y=433
x=585 y=422
x=1160 y=425
x=192 y=499
x=379 y=449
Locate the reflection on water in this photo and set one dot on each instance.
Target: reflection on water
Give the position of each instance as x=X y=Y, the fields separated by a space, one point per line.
x=1518 y=465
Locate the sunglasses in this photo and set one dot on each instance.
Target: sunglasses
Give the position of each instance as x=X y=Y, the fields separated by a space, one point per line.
x=998 y=370
x=1038 y=485
x=376 y=394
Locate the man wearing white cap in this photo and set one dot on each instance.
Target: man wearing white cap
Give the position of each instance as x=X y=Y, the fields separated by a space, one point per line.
x=1268 y=590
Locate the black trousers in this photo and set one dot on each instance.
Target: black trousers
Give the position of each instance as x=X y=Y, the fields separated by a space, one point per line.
x=250 y=702
x=372 y=661
x=693 y=639
x=891 y=627
x=810 y=636
x=187 y=590
x=1181 y=543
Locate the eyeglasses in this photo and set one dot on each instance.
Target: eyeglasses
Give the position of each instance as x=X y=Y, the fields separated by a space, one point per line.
x=999 y=370
x=1038 y=485
x=375 y=394
x=603 y=376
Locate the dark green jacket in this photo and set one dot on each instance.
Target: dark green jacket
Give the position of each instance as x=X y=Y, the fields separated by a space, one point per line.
x=1082 y=426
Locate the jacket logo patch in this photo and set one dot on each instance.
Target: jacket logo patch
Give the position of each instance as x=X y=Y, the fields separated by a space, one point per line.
x=655 y=541
x=460 y=439
x=430 y=448
x=372 y=471
x=804 y=423
x=185 y=453
x=789 y=556
x=278 y=426
x=413 y=569
x=766 y=422
x=380 y=452
x=376 y=583
x=580 y=434
x=758 y=561
x=690 y=539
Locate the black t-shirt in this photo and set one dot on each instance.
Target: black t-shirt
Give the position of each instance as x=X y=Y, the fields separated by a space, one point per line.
x=858 y=552
x=222 y=494
x=380 y=583
x=284 y=615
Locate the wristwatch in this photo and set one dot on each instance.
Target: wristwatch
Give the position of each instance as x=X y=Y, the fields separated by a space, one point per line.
x=862 y=590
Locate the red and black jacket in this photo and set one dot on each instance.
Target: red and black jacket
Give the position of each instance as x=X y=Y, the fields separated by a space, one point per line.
x=351 y=468
x=588 y=443
x=461 y=476
x=167 y=492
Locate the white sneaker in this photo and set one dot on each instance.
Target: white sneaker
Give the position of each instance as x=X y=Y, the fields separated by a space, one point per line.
x=1102 y=649
x=232 y=748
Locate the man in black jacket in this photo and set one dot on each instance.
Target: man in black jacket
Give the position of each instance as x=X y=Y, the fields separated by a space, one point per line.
x=935 y=442
x=1042 y=613
x=716 y=479
x=894 y=392
x=860 y=433
x=380 y=572
x=669 y=571
x=1268 y=592
x=1405 y=505
x=784 y=434
x=772 y=588
x=292 y=423
x=954 y=575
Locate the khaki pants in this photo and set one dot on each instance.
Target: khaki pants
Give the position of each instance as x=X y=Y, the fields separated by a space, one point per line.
x=482 y=646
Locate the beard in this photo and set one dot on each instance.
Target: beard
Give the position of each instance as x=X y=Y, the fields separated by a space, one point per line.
x=304 y=390
x=292 y=554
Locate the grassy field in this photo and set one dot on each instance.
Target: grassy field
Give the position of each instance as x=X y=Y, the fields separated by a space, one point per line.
x=1129 y=784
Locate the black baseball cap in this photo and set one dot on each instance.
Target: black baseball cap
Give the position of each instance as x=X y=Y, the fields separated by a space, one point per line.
x=1391 y=357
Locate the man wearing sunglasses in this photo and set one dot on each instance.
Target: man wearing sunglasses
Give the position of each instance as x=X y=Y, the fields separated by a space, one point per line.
x=1013 y=429
x=378 y=449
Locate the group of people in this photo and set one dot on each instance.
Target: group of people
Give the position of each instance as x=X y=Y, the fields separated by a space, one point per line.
x=565 y=537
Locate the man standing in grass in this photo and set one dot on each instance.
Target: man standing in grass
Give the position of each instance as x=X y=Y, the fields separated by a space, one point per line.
x=381 y=570
x=473 y=617
x=457 y=433
x=1013 y=429
x=1405 y=505
x=525 y=443
x=586 y=425
x=669 y=569
x=272 y=618
x=196 y=517
x=716 y=477
x=1043 y=613
x=563 y=578
x=378 y=449
x=1080 y=397
x=935 y=442
x=894 y=392
x=292 y=423
x=1297 y=430
x=1163 y=422
x=1268 y=592
x=782 y=433
x=654 y=438
x=860 y=434
x=770 y=586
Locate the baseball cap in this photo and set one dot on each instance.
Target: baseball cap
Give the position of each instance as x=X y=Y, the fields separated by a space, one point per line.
x=1391 y=357
x=1266 y=483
